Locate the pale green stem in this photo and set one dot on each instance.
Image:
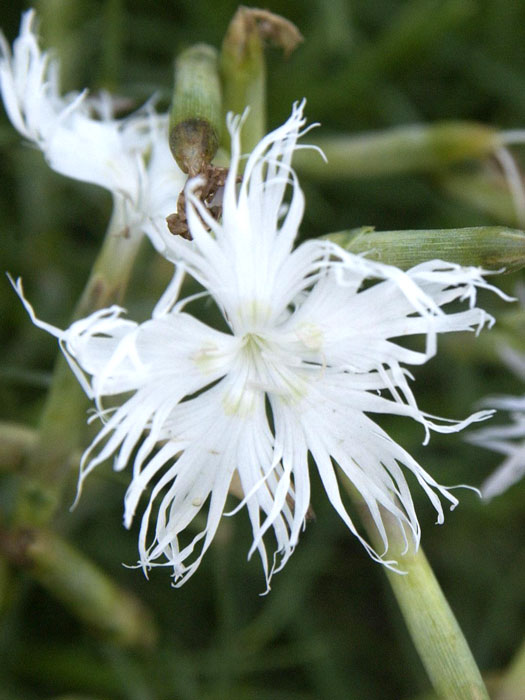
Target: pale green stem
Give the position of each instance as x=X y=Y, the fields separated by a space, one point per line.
x=435 y=632
x=81 y=586
x=403 y=149
x=69 y=576
x=64 y=416
x=490 y=247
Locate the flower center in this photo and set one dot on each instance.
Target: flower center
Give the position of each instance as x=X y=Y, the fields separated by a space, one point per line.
x=277 y=368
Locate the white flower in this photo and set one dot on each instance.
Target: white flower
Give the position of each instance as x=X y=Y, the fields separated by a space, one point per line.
x=508 y=440
x=307 y=353
x=81 y=139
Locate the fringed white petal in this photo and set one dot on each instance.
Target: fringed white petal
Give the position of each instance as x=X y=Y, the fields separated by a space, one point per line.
x=508 y=439
x=81 y=139
x=313 y=350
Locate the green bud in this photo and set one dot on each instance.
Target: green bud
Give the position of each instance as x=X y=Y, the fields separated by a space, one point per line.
x=490 y=247
x=195 y=118
x=402 y=149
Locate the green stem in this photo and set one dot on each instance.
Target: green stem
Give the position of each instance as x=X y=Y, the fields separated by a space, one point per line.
x=64 y=416
x=435 y=632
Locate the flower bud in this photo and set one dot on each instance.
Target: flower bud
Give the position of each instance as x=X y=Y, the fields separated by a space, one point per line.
x=489 y=247
x=403 y=149
x=195 y=118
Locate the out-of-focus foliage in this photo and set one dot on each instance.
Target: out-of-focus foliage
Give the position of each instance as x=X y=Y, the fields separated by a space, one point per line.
x=329 y=628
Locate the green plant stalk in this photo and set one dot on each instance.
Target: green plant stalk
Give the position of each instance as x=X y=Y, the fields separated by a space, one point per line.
x=403 y=149
x=63 y=419
x=82 y=587
x=243 y=72
x=435 y=632
x=490 y=247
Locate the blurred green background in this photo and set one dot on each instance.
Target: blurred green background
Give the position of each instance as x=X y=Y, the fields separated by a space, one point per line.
x=330 y=627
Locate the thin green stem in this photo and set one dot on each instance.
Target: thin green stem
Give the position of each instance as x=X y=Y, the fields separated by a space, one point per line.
x=64 y=416
x=435 y=632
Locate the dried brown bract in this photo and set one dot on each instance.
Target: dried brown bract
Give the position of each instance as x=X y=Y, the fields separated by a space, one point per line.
x=214 y=178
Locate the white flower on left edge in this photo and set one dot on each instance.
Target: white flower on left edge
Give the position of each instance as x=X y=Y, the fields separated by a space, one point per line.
x=305 y=354
x=509 y=439
x=81 y=139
